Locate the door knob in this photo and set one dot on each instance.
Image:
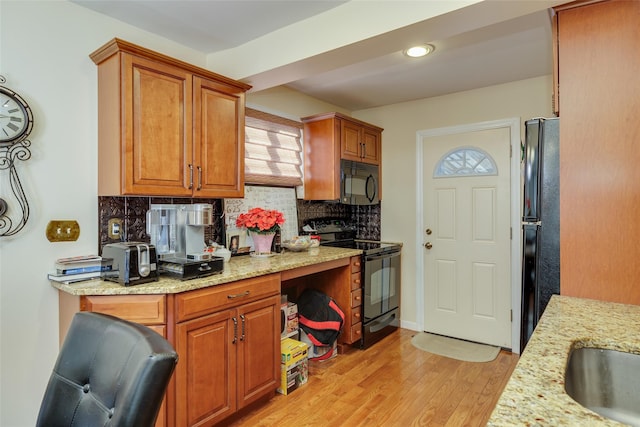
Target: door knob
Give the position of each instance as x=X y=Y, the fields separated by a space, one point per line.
x=428 y=245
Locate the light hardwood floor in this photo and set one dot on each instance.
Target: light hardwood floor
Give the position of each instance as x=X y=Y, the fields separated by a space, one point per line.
x=392 y=383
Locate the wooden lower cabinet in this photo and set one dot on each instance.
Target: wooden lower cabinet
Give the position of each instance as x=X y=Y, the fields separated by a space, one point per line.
x=230 y=360
x=148 y=310
x=228 y=341
x=342 y=282
x=227 y=336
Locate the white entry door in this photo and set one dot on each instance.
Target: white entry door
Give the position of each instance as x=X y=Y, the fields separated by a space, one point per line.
x=466 y=236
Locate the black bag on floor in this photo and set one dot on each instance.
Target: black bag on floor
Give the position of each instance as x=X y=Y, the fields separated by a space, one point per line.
x=320 y=317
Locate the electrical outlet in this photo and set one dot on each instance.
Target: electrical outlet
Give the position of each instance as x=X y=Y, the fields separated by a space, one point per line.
x=114 y=228
x=63 y=231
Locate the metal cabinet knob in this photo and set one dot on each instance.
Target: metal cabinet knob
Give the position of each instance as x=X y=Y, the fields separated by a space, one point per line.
x=428 y=245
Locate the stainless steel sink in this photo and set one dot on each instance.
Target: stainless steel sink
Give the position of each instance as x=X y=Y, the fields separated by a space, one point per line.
x=605 y=381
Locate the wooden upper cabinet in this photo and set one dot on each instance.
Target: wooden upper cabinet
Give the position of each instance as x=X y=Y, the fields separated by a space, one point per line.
x=360 y=142
x=165 y=127
x=371 y=141
x=155 y=130
x=218 y=139
x=328 y=138
x=350 y=140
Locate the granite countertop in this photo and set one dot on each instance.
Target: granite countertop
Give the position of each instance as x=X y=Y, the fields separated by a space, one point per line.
x=238 y=268
x=535 y=395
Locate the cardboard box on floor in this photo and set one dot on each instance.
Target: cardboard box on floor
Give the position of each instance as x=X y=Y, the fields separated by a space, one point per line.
x=294 y=365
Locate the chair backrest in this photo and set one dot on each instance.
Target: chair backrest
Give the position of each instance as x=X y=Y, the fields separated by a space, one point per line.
x=109 y=372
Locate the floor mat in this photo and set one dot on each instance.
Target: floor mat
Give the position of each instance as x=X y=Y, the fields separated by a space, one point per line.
x=454 y=348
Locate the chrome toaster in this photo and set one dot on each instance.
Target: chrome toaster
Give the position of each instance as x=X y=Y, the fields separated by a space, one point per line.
x=134 y=263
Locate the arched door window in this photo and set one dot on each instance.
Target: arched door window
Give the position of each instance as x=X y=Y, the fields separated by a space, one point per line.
x=465 y=161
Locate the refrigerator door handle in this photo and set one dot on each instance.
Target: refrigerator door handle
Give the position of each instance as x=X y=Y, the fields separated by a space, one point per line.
x=532 y=156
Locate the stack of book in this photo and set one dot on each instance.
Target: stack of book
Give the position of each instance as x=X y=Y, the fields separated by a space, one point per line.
x=80 y=268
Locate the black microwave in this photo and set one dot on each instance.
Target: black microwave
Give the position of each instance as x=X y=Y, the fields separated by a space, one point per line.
x=359 y=183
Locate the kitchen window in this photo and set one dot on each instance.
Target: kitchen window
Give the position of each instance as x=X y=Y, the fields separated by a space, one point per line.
x=273 y=150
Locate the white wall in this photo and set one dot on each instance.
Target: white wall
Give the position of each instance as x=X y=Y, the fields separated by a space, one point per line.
x=289 y=103
x=44 y=55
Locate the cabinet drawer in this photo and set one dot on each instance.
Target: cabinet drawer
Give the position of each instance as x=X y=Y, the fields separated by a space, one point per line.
x=356 y=316
x=145 y=309
x=356 y=298
x=160 y=329
x=356 y=264
x=355 y=333
x=200 y=302
x=356 y=281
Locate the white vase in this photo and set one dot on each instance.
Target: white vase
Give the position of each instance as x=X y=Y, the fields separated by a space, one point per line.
x=262 y=242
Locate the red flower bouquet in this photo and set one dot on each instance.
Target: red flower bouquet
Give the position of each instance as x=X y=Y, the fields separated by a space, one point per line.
x=261 y=220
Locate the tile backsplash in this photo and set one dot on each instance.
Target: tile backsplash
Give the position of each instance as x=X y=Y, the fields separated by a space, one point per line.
x=131 y=212
x=366 y=219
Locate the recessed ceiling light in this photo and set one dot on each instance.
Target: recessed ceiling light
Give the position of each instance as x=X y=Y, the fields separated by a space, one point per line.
x=419 y=51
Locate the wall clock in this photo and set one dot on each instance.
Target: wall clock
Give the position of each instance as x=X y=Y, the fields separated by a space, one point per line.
x=16 y=119
x=16 y=123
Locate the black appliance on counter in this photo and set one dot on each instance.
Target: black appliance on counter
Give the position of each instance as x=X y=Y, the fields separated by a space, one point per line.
x=380 y=278
x=540 y=221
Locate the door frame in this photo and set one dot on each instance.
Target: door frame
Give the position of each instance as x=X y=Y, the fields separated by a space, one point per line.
x=515 y=170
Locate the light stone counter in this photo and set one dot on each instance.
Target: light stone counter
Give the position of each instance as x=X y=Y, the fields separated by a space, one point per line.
x=535 y=395
x=241 y=267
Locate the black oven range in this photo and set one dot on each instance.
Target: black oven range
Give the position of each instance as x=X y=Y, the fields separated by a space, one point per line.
x=380 y=278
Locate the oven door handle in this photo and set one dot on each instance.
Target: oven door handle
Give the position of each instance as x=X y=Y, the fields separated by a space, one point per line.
x=382 y=256
x=383 y=322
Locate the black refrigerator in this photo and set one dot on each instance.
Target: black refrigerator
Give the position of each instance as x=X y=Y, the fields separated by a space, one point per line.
x=540 y=221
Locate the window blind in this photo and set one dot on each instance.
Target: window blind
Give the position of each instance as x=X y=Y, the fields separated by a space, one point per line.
x=273 y=150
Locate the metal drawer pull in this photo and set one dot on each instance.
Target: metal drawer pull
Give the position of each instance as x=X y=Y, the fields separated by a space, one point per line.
x=232 y=296
x=235 y=330
x=190 y=177
x=242 y=336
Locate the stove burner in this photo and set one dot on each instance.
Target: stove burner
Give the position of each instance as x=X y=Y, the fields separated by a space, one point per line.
x=337 y=233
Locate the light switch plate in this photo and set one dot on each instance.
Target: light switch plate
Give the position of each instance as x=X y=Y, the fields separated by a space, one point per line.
x=63 y=230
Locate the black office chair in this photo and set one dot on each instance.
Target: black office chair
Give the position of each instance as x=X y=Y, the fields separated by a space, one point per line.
x=109 y=372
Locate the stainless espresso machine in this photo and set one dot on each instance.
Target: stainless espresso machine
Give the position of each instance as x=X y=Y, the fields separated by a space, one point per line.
x=177 y=231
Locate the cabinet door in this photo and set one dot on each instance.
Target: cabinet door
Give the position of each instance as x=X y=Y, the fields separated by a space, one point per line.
x=350 y=140
x=599 y=151
x=258 y=349
x=359 y=143
x=371 y=146
x=322 y=159
x=218 y=139
x=205 y=374
x=156 y=129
